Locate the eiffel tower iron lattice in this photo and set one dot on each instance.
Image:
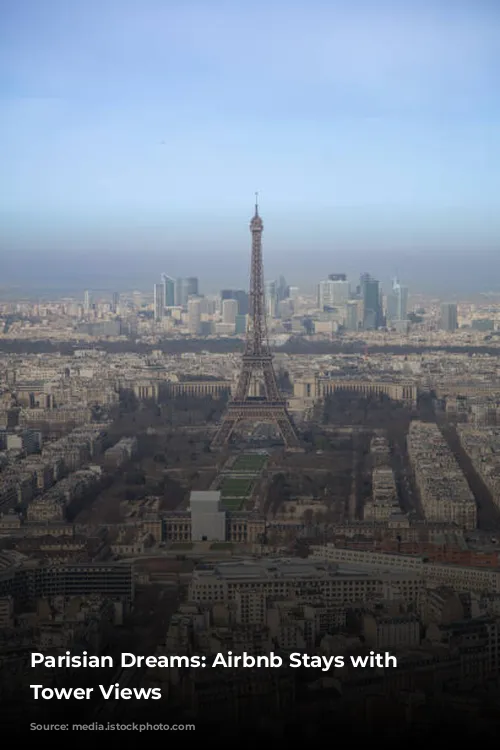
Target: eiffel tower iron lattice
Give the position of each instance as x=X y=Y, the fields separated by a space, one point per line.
x=257 y=362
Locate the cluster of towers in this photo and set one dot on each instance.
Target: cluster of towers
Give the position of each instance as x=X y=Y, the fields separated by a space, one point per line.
x=173 y=293
x=363 y=307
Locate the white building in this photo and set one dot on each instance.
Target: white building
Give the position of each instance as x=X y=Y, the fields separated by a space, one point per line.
x=194 y=316
x=158 y=301
x=333 y=293
x=208 y=521
x=229 y=311
x=292 y=578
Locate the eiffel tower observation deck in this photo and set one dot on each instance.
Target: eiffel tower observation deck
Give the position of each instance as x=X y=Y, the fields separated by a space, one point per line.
x=257 y=363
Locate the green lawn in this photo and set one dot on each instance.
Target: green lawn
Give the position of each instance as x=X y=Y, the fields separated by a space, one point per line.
x=236 y=487
x=182 y=545
x=233 y=503
x=249 y=462
x=221 y=545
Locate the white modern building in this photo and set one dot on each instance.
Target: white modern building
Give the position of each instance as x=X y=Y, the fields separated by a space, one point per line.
x=194 y=316
x=229 y=311
x=208 y=521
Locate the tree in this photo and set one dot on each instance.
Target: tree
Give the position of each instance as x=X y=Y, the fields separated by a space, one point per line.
x=307 y=516
x=135 y=476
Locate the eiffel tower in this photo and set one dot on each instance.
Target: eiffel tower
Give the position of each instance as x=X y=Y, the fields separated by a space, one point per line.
x=257 y=364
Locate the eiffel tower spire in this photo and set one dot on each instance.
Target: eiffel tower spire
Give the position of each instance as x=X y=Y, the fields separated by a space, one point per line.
x=257 y=361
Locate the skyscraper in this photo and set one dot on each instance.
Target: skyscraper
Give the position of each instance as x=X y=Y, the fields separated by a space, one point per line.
x=179 y=296
x=229 y=311
x=194 y=316
x=240 y=296
x=192 y=287
x=271 y=298
x=240 y=327
x=115 y=301
x=402 y=298
x=449 y=316
x=397 y=302
x=337 y=277
x=333 y=292
x=158 y=301
x=184 y=289
x=351 y=316
x=281 y=289
x=87 y=301
x=370 y=292
x=169 y=286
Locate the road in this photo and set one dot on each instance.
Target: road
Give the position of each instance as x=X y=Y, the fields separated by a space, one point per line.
x=408 y=499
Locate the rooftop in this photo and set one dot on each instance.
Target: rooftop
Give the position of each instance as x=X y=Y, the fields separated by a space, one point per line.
x=283 y=568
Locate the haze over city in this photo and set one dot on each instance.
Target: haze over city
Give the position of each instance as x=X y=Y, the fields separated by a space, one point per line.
x=134 y=135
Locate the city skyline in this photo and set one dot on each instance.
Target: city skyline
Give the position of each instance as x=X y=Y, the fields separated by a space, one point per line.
x=368 y=133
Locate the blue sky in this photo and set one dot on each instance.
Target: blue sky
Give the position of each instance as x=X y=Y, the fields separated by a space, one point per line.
x=145 y=127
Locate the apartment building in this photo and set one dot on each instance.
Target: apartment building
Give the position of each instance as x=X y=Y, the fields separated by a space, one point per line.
x=54 y=504
x=384 y=500
x=289 y=578
x=459 y=577
x=382 y=631
x=124 y=450
x=483 y=447
x=380 y=451
x=443 y=490
x=27 y=580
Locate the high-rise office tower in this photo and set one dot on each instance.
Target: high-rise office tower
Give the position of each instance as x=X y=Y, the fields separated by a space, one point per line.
x=240 y=326
x=372 y=309
x=115 y=302
x=169 y=286
x=194 y=316
x=392 y=307
x=397 y=302
x=281 y=289
x=179 y=293
x=333 y=293
x=209 y=305
x=87 y=301
x=271 y=298
x=192 y=289
x=158 y=301
x=323 y=294
x=184 y=289
x=402 y=297
x=449 y=316
x=229 y=311
x=337 y=277
x=351 y=316
x=240 y=296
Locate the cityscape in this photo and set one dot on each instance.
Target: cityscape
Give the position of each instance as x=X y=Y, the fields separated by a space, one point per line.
x=250 y=442
x=258 y=470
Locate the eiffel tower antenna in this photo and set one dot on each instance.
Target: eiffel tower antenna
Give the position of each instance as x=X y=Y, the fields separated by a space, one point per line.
x=257 y=361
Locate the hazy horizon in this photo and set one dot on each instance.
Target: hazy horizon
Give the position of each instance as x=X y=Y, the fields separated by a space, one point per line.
x=461 y=276
x=133 y=136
